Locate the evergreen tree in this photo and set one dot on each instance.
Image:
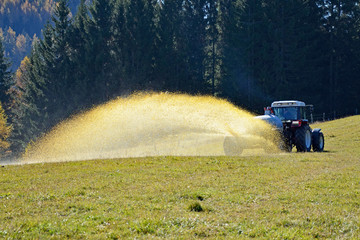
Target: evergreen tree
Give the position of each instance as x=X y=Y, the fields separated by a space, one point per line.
x=229 y=15
x=100 y=60
x=119 y=31
x=168 y=68
x=139 y=44
x=341 y=30
x=43 y=101
x=52 y=68
x=80 y=90
x=270 y=51
x=60 y=81
x=5 y=76
x=212 y=52
x=29 y=103
x=192 y=42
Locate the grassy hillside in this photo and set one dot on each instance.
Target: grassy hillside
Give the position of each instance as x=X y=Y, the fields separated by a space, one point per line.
x=283 y=196
x=342 y=136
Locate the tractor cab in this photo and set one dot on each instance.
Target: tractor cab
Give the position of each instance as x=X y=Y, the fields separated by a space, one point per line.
x=291 y=111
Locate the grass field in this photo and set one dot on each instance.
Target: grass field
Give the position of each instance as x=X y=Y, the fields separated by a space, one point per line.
x=280 y=196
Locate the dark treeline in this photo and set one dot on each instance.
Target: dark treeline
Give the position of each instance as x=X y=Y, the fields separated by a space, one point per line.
x=250 y=52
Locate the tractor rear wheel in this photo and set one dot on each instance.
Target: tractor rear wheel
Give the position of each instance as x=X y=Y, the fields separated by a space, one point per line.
x=303 y=139
x=285 y=145
x=318 y=141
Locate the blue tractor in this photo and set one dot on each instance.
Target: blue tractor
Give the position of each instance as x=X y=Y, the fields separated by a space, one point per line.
x=291 y=118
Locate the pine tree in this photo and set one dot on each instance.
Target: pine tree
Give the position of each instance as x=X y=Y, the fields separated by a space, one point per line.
x=212 y=52
x=52 y=68
x=29 y=103
x=100 y=60
x=5 y=76
x=139 y=43
x=229 y=14
x=270 y=51
x=192 y=42
x=60 y=104
x=341 y=30
x=43 y=99
x=80 y=90
x=169 y=69
x=119 y=31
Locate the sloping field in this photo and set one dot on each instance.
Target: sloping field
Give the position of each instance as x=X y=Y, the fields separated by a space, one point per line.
x=280 y=196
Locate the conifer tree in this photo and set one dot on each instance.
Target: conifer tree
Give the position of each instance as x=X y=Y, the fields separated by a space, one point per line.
x=52 y=68
x=119 y=31
x=139 y=43
x=60 y=103
x=5 y=76
x=192 y=48
x=270 y=51
x=80 y=89
x=229 y=12
x=43 y=100
x=28 y=111
x=169 y=69
x=340 y=27
x=100 y=63
x=212 y=52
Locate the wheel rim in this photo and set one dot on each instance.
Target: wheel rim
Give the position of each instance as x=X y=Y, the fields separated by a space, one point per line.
x=321 y=142
x=308 y=139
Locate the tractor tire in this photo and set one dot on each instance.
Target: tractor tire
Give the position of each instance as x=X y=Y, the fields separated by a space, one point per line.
x=303 y=139
x=285 y=145
x=318 y=141
x=232 y=147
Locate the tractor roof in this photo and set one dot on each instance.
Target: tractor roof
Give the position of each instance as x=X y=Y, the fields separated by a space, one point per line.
x=289 y=103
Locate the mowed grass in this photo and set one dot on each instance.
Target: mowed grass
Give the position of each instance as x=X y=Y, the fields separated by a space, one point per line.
x=280 y=196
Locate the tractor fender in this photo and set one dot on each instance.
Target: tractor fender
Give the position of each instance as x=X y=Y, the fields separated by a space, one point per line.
x=316 y=130
x=315 y=133
x=318 y=140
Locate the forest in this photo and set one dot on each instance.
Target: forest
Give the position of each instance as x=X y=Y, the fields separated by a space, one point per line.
x=21 y=22
x=249 y=52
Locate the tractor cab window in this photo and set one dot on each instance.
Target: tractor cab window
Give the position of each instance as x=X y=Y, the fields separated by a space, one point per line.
x=287 y=113
x=303 y=113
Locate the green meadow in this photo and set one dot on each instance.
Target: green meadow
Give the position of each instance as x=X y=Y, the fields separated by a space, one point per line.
x=276 y=196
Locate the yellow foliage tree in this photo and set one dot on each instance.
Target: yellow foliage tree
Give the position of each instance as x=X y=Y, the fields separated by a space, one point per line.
x=21 y=73
x=5 y=131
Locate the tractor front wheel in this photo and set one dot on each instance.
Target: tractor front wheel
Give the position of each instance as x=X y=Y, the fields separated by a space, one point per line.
x=318 y=141
x=303 y=139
